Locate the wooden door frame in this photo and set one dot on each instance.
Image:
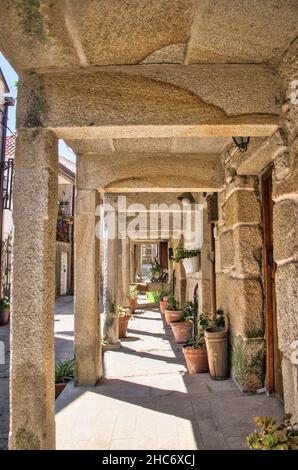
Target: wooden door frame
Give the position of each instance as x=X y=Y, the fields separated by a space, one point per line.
x=269 y=268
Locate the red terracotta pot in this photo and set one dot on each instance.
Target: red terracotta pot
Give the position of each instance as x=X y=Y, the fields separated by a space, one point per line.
x=59 y=389
x=163 y=305
x=182 y=331
x=122 y=325
x=133 y=303
x=196 y=359
x=173 y=315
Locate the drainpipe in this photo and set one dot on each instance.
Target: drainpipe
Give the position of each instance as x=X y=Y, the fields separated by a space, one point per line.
x=8 y=101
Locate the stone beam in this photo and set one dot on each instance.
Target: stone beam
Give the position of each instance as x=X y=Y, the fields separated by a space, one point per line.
x=159 y=101
x=150 y=172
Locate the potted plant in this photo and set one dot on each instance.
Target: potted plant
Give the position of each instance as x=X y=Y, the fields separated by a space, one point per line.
x=163 y=301
x=4 y=310
x=182 y=329
x=155 y=270
x=64 y=373
x=124 y=315
x=172 y=312
x=273 y=436
x=195 y=352
x=216 y=337
x=190 y=259
x=133 y=298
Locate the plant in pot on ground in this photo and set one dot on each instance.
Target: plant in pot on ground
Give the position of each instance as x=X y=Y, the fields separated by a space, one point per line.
x=172 y=312
x=64 y=373
x=195 y=352
x=273 y=436
x=124 y=315
x=133 y=298
x=155 y=270
x=164 y=301
x=190 y=259
x=182 y=329
x=4 y=310
x=216 y=337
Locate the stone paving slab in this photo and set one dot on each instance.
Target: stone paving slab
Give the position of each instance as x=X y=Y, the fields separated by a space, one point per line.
x=147 y=400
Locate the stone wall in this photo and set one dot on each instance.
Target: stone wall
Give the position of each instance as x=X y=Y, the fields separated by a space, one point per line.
x=239 y=285
x=239 y=245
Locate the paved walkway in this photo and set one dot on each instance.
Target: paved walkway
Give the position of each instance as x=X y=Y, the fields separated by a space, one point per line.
x=148 y=401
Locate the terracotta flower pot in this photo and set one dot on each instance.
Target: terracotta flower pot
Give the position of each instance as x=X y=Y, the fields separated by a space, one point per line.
x=59 y=389
x=133 y=303
x=122 y=325
x=196 y=359
x=182 y=331
x=4 y=316
x=217 y=349
x=163 y=305
x=173 y=315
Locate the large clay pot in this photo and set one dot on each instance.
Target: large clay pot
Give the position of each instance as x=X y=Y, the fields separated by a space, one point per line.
x=182 y=331
x=133 y=303
x=163 y=305
x=173 y=315
x=217 y=349
x=4 y=316
x=122 y=325
x=196 y=359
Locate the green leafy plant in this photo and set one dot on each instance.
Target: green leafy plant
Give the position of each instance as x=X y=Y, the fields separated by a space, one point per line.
x=155 y=267
x=189 y=311
x=4 y=302
x=124 y=311
x=274 y=436
x=182 y=253
x=133 y=292
x=163 y=295
x=64 y=371
x=172 y=302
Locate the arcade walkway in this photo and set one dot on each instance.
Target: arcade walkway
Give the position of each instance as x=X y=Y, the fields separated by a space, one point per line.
x=148 y=401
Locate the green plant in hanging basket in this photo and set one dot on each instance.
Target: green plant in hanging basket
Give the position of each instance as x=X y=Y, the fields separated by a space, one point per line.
x=183 y=253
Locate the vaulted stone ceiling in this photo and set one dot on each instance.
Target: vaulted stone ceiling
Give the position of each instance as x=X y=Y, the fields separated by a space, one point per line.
x=70 y=33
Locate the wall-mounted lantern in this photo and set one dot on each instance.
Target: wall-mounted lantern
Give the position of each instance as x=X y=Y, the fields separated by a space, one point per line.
x=242 y=143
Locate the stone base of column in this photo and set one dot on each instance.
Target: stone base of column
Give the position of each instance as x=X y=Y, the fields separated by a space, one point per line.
x=111 y=346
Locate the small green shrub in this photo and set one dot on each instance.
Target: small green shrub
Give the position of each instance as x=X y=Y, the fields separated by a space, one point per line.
x=182 y=253
x=273 y=436
x=64 y=371
x=172 y=302
x=133 y=292
x=124 y=311
x=4 y=302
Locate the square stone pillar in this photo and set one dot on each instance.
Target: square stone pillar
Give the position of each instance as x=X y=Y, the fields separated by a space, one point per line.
x=32 y=378
x=88 y=368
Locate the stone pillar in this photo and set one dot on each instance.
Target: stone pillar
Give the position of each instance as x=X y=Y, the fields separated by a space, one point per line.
x=32 y=400
x=205 y=291
x=87 y=319
x=125 y=269
x=111 y=286
x=239 y=286
x=285 y=233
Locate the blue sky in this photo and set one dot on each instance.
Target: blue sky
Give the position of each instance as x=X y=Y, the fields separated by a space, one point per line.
x=11 y=77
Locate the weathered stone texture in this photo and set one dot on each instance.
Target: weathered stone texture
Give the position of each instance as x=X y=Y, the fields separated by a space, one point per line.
x=287 y=305
x=87 y=323
x=285 y=229
x=33 y=293
x=285 y=175
x=242 y=207
x=290 y=387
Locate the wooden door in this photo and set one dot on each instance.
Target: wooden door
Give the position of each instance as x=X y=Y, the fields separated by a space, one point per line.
x=163 y=254
x=273 y=354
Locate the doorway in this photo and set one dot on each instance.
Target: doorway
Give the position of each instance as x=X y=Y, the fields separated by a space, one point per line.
x=273 y=354
x=64 y=273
